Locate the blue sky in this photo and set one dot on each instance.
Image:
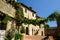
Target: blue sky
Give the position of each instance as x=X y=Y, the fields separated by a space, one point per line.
x=43 y=7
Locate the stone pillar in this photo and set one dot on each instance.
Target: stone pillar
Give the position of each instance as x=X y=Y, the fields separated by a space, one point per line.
x=30 y=30
x=11 y=24
x=41 y=31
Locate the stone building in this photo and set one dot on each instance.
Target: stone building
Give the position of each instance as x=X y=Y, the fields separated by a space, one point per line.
x=31 y=14
x=6 y=8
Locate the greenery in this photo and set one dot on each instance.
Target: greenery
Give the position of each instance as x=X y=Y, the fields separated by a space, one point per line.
x=16 y=35
x=29 y=21
x=8 y=36
x=46 y=26
x=40 y=21
x=6 y=18
x=23 y=30
x=19 y=16
x=54 y=16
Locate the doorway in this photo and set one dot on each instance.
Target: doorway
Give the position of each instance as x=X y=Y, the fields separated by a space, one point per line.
x=27 y=30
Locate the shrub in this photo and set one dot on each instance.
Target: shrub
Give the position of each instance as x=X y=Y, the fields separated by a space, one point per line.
x=23 y=30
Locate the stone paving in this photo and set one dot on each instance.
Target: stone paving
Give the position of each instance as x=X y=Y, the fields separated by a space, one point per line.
x=36 y=37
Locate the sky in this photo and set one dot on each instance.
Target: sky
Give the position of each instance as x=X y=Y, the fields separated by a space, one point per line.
x=43 y=7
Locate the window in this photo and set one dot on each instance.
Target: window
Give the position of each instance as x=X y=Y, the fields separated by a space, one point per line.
x=26 y=10
x=32 y=31
x=27 y=30
x=33 y=14
x=41 y=33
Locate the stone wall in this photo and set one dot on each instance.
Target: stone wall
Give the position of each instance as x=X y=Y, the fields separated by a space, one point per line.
x=7 y=8
x=50 y=32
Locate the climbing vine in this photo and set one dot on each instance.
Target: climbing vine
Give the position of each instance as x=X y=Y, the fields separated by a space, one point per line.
x=20 y=16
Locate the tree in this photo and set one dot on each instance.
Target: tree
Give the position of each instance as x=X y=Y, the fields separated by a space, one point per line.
x=55 y=16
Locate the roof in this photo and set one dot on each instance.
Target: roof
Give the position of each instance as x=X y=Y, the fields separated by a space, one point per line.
x=37 y=16
x=27 y=7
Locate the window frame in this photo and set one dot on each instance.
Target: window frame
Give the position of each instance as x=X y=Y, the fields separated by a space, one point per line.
x=25 y=10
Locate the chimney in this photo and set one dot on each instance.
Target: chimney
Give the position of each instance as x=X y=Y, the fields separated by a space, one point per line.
x=30 y=7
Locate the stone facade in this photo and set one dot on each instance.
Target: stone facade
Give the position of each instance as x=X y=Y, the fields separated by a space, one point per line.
x=28 y=13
